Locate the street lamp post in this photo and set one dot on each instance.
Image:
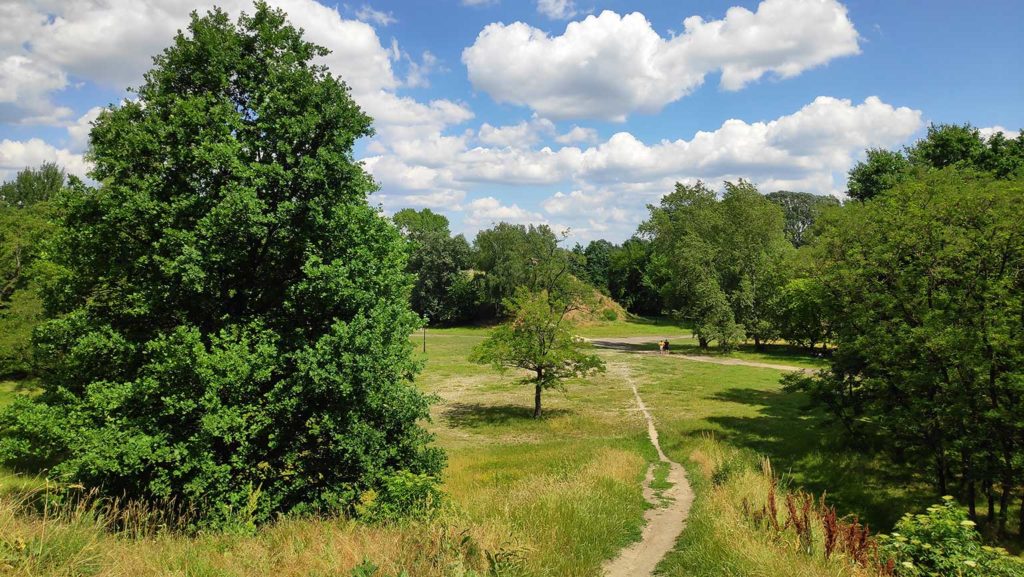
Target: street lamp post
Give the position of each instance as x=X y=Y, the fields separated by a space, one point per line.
x=425 y=321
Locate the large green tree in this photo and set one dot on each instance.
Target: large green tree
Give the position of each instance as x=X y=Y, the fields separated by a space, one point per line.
x=445 y=292
x=721 y=263
x=32 y=185
x=514 y=256
x=800 y=210
x=945 y=145
x=628 y=279
x=926 y=287
x=232 y=329
x=26 y=225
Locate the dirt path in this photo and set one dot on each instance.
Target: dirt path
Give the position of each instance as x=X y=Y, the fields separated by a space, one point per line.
x=667 y=517
x=634 y=345
x=726 y=361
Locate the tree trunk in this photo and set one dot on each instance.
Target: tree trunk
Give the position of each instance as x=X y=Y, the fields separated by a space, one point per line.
x=971 y=486
x=536 y=401
x=940 y=470
x=757 y=343
x=1020 y=521
x=703 y=342
x=1004 y=504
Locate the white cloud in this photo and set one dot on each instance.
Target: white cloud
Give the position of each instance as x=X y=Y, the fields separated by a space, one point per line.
x=810 y=149
x=557 y=9
x=521 y=135
x=577 y=134
x=25 y=85
x=609 y=66
x=17 y=155
x=989 y=131
x=419 y=72
x=112 y=42
x=78 y=131
x=489 y=210
x=368 y=14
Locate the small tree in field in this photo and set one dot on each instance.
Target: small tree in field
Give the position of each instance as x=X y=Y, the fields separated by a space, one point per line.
x=538 y=338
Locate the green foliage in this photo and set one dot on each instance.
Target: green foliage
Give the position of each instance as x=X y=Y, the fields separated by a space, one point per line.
x=945 y=145
x=520 y=256
x=595 y=263
x=627 y=277
x=720 y=263
x=882 y=170
x=232 y=315
x=925 y=286
x=540 y=339
x=800 y=210
x=445 y=291
x=31 y=186
x=802 y=314
x=402 y=495
x=26 y=215
x=944 y=542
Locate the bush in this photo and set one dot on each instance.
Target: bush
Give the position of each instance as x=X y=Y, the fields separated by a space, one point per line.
x=941 y=542
x=610 y=315
x=401 y=495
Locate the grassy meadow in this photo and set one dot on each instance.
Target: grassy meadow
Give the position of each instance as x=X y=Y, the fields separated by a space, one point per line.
x=551 y=497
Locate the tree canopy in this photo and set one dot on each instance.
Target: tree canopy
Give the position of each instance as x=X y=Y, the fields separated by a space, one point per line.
x=719 y=262
x=924 y=287
x=444 y=291
x=231 y=329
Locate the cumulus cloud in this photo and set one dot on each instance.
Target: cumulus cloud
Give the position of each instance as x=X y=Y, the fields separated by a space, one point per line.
x=989 y=131
x=489 y=210
x=577 y=134
x=557 y=9
x=17 y=155
x=608 y=66
x=111 y=43
x=810 y=149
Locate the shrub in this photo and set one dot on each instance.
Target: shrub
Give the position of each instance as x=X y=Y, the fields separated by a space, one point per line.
x=610 y=315
x=401 y=495
x=943 y=541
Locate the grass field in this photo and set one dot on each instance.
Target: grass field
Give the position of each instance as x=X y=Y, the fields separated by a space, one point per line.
x=550 y=497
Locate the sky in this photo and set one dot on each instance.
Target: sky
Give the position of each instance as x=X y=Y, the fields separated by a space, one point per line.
x=573 y=113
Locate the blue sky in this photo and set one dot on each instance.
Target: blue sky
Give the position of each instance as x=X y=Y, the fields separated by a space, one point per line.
x=567 y=112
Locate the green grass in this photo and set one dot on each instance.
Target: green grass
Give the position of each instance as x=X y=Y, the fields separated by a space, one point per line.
x=744 y=407
x=553 y=496
x=11 y=389
x=565 y=489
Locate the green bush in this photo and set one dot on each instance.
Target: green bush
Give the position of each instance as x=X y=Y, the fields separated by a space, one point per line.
x=610 y=315
x=942 y=542
x=400 y=496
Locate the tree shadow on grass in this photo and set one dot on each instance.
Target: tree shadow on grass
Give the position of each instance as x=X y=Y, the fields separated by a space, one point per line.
x=474 y=415
x=813 y=453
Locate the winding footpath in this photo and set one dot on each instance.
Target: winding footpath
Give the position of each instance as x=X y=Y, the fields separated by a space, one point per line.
x=669 y=510
x=667 y=515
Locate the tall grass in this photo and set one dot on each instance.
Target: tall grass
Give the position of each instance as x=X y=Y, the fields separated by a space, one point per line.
x=729 y=532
